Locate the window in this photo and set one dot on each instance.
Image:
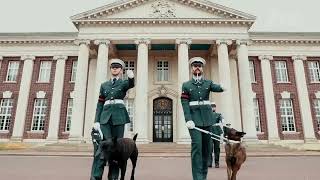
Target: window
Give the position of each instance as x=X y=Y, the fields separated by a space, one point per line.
x=257 y=114
x=44 y=72
x=5 y=114
x=287 y=118
x=129 y=103
x=74 y=71
x=163 y=71
x=129 y=65
x=12 y=72
x=39 y=114
x=252 y=73
x=69 y=114
x=317 y=110
x=314 y=71
x=281 y=71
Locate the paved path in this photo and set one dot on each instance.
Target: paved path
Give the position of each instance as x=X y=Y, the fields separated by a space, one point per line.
x=157 y=168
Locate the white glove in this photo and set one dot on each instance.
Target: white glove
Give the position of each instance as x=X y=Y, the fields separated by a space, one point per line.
x=222 y=87
x=190 y=124
x=130 y=74
x=96 y=126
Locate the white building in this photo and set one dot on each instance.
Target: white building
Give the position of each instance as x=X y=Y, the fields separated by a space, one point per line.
x=49 y=81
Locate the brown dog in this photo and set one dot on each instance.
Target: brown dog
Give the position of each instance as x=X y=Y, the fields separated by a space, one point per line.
x=235 y=152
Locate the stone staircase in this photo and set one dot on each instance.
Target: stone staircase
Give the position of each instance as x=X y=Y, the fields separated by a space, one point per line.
x=153 y=150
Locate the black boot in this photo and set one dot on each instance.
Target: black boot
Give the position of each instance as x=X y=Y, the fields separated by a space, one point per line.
x=95 y=178
x=216 y=165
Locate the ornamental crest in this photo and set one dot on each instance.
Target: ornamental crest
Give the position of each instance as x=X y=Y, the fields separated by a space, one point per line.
x=162 y=9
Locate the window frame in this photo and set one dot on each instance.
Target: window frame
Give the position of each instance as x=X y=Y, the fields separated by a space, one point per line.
x=73 y=76
x=162 y=70
x=128 y=66
x=257 y=116
x=252 y=71
x=7 y=105
x=314 y=71
x=281 y=73
x=285 y=121
x=44 y=72
x=42 y=115
x=14 y=69
x=129 y=104
x=316 y=104
x=70 y=103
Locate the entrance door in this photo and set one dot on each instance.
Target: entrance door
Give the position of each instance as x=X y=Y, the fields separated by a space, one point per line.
x=162 y=120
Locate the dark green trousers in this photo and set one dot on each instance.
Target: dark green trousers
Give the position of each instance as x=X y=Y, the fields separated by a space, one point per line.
x=108 y=131
x=214 y=147
x=199 y=153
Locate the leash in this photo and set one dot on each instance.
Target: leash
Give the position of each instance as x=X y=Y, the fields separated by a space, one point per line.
x=215 y=137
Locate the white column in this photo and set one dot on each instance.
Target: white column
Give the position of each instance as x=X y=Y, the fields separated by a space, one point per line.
x=77 y=119
x=246 y=94
x=269 y=102
x=23 y=98
x=183 y=76
x=102 y=63
x=303 y=97
x=141 y=98
x=101 y=71
x=56 y=99
x=236 y=122
x=226 y=104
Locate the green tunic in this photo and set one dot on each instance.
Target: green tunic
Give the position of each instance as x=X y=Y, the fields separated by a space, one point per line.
x=203 y=117
x=112 y=118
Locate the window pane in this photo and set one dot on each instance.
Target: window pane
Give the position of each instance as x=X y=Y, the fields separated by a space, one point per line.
x=12 y=72
x=74 y=71
x=69 y=114
x=317 y=111
x=281 y=71
x=314 y=71
x=287 y=116
x=162 y=71
x=6 y=106
x=44 y=71
x=257 y=114
x=130 y=108
x=129 y=65
x=252 y=72
x=39 y=114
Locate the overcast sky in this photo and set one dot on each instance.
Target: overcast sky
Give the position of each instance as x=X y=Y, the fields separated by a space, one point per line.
x=53 y=15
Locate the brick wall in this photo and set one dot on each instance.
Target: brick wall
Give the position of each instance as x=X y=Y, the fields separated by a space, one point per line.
x=258 y=89
x=67 y=88
x=312 y=89
x=290 y=87
x=13 y=87
x=35 y=87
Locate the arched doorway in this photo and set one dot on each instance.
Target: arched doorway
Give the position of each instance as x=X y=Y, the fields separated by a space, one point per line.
x=162 y=120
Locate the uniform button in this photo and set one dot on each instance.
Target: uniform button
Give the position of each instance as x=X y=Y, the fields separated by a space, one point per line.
x=199 y=92
x=112 y=88
x=111 y=92
x=200 y=98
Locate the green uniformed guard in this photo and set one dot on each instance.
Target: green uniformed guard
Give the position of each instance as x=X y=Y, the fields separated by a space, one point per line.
x=214 y=144
x=111 y=114
x=198 y=113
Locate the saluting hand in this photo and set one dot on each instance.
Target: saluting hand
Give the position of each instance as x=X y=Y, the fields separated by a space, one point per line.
x=130 y=74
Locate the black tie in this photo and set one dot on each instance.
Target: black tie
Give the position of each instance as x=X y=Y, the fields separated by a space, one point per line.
x=114 y=80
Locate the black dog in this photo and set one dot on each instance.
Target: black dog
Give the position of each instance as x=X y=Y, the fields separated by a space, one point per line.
x=117 y=151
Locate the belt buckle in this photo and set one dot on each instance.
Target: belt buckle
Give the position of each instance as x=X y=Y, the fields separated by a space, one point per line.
x=112 y=101
x=201 y=102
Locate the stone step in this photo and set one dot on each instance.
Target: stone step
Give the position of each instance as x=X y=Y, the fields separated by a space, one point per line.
x=156 y=148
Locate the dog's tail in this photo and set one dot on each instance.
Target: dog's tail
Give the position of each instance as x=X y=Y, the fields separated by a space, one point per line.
x=135 y=137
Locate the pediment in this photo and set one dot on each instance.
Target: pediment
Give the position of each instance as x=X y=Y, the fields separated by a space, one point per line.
x=162 y=9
